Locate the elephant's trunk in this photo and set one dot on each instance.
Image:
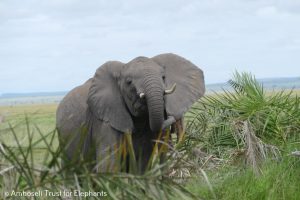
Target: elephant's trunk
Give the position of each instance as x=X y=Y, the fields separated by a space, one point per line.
x=154 y=96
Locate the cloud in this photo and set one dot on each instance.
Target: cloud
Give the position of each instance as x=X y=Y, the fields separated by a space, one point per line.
x=56 y=45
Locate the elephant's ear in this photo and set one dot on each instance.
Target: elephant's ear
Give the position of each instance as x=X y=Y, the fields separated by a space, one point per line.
x=189 y=81
x=105 y=100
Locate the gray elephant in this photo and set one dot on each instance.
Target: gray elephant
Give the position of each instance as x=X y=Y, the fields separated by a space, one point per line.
x=138 y=97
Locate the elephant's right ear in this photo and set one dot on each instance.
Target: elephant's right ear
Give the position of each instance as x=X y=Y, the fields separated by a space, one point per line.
x=105 y=100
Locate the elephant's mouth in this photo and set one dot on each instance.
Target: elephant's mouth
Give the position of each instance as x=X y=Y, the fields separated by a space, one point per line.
x=139 y=106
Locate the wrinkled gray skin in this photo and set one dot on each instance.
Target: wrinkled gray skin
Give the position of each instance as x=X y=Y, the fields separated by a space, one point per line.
x=92 y=118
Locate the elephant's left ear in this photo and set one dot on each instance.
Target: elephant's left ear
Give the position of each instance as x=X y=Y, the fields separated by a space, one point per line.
x=189 y=81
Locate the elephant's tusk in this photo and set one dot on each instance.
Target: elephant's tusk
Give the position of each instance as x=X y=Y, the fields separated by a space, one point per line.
x=171 y=90
x=142 y=95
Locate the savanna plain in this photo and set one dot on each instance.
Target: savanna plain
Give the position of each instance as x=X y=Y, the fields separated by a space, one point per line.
x=242 y=143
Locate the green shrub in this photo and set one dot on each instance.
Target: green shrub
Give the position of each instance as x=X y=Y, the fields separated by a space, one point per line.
x=218 y=121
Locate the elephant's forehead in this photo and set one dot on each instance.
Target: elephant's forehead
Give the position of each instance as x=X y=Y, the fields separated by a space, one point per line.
x=140 y=66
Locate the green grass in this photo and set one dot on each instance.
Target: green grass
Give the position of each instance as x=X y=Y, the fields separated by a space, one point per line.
x=30 y=160
x=252 y=131
x=38 y=116
x=238 y=146
x=279 y=180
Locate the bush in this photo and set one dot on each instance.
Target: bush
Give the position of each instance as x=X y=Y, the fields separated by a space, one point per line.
x=246 y=118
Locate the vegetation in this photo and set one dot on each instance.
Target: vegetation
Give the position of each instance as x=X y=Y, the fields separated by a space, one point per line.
x=23 y=169
x=279 y=180
x=238 y=145
x=252 y=132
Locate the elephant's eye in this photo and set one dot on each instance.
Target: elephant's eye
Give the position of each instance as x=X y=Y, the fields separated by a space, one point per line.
x=163 y=77
x=128 y=81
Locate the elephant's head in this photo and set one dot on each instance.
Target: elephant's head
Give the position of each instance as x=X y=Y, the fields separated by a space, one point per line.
x=139 y=88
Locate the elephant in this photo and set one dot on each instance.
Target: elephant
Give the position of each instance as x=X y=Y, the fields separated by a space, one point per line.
x=142 y=97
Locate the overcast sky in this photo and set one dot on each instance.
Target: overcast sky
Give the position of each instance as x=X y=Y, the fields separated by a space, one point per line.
x=56 y=45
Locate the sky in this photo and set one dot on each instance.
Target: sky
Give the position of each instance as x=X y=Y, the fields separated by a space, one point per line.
x=57 y=45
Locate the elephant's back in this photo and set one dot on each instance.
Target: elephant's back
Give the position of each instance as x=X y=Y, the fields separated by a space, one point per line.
x=71 y=112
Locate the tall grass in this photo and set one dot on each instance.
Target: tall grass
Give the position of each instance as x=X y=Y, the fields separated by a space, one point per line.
x=253 y=132
x=230 y=135
x=279 y=181
x=21 y=171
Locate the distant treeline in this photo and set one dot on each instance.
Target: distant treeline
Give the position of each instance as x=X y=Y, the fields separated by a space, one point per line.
x=268 y=83
x=33 y=94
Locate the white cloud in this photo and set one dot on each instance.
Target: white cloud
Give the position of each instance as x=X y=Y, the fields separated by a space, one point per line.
x=62 y=42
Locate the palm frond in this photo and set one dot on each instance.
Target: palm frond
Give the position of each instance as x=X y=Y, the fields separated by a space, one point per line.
x=265 y=119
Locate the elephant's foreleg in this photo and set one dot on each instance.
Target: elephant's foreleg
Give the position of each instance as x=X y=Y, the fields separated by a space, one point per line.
x=107 y=158
x=107 y=142
x=143 y=149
